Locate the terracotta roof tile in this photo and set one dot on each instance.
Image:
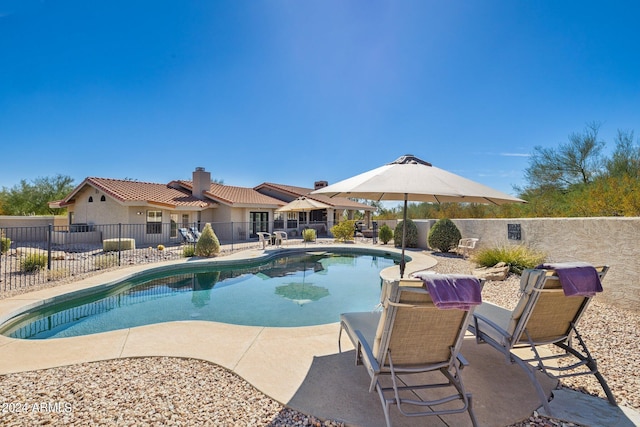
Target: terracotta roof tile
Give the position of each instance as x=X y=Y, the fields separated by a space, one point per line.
x=232 y=195
x=342 y=202
x=129 y=191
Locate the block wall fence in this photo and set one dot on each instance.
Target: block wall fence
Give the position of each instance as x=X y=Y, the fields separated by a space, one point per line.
x=608 y=240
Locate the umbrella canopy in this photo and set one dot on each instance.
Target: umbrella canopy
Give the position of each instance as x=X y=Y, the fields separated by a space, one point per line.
x=410 y=178
x=302 y=204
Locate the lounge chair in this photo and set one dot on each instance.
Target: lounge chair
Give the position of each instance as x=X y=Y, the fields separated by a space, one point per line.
x=280 y=237
x=264 y=238
x=410 y=335
x=195 y=232
x=186 y=235
x=544 y=315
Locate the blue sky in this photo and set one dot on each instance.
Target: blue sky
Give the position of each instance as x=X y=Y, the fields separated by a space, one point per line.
x=291 y=91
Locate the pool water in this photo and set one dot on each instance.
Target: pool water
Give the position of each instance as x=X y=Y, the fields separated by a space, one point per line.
x=296 y=290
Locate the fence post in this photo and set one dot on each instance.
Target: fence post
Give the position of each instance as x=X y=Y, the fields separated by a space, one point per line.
x=49 y=234
x=119 y=243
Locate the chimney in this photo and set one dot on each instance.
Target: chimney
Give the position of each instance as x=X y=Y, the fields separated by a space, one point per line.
x=319 y=184
x=201 y=182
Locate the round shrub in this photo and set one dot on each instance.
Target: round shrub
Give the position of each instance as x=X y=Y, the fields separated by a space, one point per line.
x=188 y=251
x=309 y=235
x=344 y=230
x=444 y=235
x=411 y=237
x=517 y=257
x=385 y=234
x=208 y=243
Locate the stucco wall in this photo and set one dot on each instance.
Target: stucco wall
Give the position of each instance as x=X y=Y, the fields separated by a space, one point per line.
x=611 y=241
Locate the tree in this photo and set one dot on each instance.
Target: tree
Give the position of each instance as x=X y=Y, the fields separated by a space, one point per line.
x=577 y=162
x=33 y=198
x=625 y=160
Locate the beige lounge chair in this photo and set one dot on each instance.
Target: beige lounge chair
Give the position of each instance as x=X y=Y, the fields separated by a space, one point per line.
x=544 y=315
x=264 y=238
x=280 y=237
x=411 y=336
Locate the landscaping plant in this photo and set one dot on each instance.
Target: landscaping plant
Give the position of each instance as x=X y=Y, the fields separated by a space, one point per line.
x=344 y=230
x=411 y=238
x=444 y=235
x=385 y=234
x=208 y=244
x=517 y=257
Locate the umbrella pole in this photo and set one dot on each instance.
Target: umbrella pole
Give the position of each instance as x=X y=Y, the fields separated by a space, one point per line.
x=404 y=235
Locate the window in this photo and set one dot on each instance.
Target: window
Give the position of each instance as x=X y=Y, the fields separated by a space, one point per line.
x=90 y=199
x=259 y=221
x=103 y=199
x=154 y=222
x=185 y=220
x=173 y=230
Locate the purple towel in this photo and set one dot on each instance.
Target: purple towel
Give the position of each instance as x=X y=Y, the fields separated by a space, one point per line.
x=453 y=290
x=576 y=278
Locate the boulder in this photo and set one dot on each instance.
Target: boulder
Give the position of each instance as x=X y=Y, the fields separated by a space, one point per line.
x=497 y=272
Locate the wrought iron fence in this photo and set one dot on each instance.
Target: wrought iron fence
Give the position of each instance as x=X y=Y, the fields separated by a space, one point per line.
x=40 y=254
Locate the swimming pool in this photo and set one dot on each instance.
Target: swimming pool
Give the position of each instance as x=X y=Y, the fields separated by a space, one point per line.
x=297 y=289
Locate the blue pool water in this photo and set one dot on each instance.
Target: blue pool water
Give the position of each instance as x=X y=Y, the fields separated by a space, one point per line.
x=296 y=290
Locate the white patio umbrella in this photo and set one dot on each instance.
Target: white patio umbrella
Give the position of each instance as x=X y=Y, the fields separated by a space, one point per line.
x=410 y=178
x=302 y=204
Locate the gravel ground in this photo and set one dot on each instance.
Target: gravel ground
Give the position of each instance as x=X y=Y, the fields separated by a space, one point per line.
x=180 y=392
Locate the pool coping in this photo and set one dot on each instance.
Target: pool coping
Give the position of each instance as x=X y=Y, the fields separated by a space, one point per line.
x=239 y=348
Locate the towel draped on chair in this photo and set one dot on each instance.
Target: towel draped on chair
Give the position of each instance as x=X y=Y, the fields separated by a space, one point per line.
x=453 y=291
x=576 y=278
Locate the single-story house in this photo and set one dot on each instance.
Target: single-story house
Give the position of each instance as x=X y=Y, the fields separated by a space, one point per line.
x=236 y=213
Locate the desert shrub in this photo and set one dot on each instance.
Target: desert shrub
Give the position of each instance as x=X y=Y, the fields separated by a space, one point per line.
x=5 y=244
x=517 y=257
x=309 y=235
x=343 y=231
x=188 y=251
x=208 y=243
x=385 y=233
x=411 y=238
x=104 y=261
x=444 y=235
x=58 y=274
x=33 y=262
x=161 y=247
x=112 y=244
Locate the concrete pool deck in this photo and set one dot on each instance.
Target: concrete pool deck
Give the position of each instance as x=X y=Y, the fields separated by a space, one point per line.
x=299 y=367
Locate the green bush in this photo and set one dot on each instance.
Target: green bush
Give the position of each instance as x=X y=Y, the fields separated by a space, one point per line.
x=444 y=235
x=5 y=244
x=411 y=238
x=385 y=233
x=208 y=243
x=126 y=244
x=33 y=262
x=343 y=231
x=188 y=251
x=517 y=257
x=309 y=235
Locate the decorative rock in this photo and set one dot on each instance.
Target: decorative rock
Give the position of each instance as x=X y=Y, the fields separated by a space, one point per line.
x=498 y=272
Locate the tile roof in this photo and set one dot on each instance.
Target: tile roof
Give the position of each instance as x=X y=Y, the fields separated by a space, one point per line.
x=231 y=195
x=149 y=192
x=295 y=192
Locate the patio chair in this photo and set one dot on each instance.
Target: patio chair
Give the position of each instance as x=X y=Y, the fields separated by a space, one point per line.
x=264 y=238
x=408 y=337
x=466 y=245
x=280 y=237
x=195 y=232
x=544 y=316
x=186 y=235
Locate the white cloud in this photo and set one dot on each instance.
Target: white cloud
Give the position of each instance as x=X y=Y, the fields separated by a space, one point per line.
x=515 y=154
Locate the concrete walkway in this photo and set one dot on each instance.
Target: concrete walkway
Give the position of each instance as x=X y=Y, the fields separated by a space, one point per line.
x=300 y=367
